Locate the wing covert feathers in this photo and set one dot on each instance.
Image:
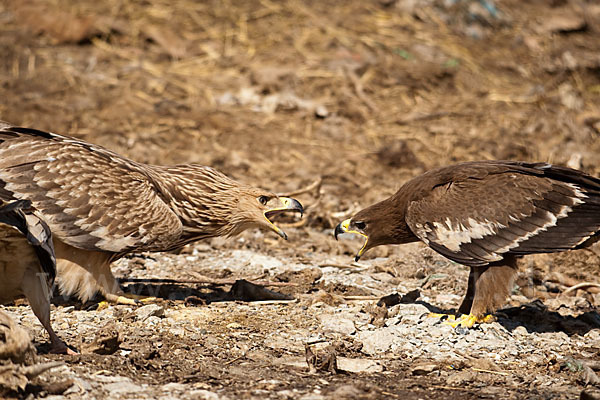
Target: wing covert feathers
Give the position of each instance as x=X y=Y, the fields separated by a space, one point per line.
x=91 y=198
x=485 y=211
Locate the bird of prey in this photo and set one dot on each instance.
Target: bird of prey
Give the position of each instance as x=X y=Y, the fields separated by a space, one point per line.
x=100 y=206
x=484 y=215
x=31 y=273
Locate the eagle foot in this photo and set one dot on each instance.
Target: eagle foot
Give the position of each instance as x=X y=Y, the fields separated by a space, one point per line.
x=61 y=348
x=125 y=298
x=442 y=317
x=468 y=321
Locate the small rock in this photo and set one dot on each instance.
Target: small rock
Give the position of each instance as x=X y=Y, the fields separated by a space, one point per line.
x=321 y=111
x=423 y=369
x=377 y=341
x=359 y=365
x=177 y=331
x=150 y=310
x=334 y=323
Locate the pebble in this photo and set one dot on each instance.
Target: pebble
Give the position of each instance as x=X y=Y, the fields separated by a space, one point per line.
x=150 y=310
x=68 y=309
x=378 y=341
x=338 y=324
x=424 y=369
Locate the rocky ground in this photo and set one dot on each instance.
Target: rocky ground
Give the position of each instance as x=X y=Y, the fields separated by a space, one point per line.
x=339 y=102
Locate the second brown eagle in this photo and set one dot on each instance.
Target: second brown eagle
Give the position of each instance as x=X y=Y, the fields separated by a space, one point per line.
x=484 y=215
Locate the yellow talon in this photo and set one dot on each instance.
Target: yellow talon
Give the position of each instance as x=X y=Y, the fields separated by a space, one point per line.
x=468 y=321
x=445 y=317
x=145 y=299
x=126 y=298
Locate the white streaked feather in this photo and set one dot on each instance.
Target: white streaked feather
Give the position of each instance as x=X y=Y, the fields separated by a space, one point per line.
x=454 y=235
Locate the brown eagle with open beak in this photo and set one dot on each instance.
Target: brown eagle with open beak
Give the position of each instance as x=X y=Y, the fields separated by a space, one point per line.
x=100 y=206
x=484 y=215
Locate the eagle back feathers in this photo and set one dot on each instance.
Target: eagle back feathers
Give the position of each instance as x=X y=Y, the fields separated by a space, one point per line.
x=90 y=197
x=475 y=213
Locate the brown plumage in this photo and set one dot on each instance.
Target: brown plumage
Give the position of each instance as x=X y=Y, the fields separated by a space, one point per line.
x=100 y=206
x=484 y=215
x=32 y=273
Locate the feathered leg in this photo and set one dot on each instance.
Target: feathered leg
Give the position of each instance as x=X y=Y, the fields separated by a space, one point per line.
x=86 y=273
x=487 y=290
x=465 y=306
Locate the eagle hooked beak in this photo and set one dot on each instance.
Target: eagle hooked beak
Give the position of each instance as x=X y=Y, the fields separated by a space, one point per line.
x=344 y=227
x=288 y=204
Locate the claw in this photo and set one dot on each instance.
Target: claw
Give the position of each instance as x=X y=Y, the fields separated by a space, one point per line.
x=468 y=321
x=63 y=349
x=443 y=317
x=125 y=298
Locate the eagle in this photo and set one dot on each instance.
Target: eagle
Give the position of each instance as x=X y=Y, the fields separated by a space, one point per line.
x=100 y=206
x=485 y=215
x=32 y=272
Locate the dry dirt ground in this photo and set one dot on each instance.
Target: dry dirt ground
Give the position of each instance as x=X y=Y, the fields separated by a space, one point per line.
x=346 y=100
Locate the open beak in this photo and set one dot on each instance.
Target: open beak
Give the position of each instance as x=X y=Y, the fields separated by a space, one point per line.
x=287 y=204
x=344 y=227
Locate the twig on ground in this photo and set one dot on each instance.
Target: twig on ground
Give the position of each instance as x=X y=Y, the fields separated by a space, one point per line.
x=315 y=186
x=361 y=298
x=581 y=285
x=490 y=371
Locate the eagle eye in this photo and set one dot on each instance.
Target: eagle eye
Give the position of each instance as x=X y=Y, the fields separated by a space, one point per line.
x=263 y=200
x=360 y=225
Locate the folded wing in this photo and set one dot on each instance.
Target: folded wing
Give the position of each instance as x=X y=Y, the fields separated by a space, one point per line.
x=90 y=197
x=512 y=209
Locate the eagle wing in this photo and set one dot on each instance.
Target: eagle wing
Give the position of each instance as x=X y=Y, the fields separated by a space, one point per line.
x=90 y=197
x=475 y=219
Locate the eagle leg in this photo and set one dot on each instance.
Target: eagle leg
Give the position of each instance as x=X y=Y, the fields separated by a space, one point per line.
x=35 y=288
x=87 y=273
x=488 y=288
